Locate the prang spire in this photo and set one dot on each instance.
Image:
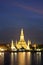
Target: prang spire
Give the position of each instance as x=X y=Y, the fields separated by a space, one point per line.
x=22 y=35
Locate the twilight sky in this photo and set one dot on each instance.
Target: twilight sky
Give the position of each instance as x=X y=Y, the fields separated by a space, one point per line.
x=17 y=14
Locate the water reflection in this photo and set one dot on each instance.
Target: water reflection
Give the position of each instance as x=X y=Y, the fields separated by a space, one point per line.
x=13 y=58
x=1 y=58
x=7 y=58
x=21 y=58
x=38 y=58
x=28 y=58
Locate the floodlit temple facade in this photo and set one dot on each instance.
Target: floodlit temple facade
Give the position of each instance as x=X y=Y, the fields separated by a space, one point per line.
x=21 y=44
x=13 y=48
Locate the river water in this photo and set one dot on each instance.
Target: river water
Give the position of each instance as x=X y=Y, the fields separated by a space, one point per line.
x=21 y=58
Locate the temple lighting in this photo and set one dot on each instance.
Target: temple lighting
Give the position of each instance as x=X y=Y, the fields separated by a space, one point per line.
x=12 y=46
x=22 y=35
x=0 y=53
x=1 y=49
x=29 y=43
x=21 y=43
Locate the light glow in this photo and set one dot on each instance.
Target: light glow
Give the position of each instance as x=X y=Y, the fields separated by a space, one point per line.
x=1 y=49
x=12 y=46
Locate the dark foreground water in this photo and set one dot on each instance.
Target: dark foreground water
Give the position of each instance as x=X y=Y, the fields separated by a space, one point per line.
x=21 y=58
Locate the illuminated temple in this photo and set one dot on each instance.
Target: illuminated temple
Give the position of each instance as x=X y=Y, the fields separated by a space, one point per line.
x=13 y=48
x=22 y=43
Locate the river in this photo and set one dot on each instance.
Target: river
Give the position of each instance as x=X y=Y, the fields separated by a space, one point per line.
x=21 y=58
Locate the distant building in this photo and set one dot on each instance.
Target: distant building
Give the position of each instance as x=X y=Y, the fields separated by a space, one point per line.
x=3 y=47
x=13 y=48
x=21 y=43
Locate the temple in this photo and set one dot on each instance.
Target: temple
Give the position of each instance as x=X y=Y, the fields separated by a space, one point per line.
x=21 y=43
x=28 y=46
x=13 y=48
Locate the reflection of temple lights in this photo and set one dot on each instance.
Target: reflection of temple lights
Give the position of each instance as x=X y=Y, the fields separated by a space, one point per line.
x=21 y=58
x=1 y=58
x=38 y=57
x=39 y=53
x=0 y=53
x=15 y=53
x=12 y=58
x=28 y=58
x=24 y=53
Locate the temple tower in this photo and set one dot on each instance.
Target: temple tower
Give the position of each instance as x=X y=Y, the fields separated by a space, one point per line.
x=29 y=43
x=12 y=46
x=22 y=35
x=21 y=43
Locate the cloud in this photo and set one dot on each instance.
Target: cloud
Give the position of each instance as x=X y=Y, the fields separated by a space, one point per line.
x=16 y=4
x=22 y=5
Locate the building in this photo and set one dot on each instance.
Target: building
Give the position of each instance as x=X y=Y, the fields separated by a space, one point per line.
x=28 y=46
x=21 y=43
x=13 y=48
